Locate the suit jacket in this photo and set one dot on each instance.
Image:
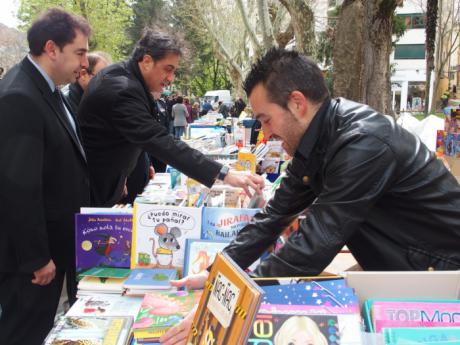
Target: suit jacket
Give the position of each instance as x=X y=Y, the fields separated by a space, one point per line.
x=43 y=179
x=116 y=118
x=73 y=94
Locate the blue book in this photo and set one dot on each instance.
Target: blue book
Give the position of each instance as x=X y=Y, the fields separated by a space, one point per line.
x=331 y=293
x=222 y=223
x=200 y=254
x=426 y=336
x=150 y=279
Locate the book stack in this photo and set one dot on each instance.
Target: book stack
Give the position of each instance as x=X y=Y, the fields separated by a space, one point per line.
x=160 y=311
x=323 y=312
x=90 y=330
x=145 y=280
x=102 y=280
x=410 y=321
x=105 y=305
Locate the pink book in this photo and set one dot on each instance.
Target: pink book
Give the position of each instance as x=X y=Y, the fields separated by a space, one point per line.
x=415 y=314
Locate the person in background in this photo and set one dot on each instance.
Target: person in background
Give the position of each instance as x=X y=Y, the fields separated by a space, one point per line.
x=239 y=106
x=189 y=110
x=367 y=183
x=74 y=92
x=179 y=114
x=223 y=109
x=195 y=111
x=43 y=180
x=116 y=116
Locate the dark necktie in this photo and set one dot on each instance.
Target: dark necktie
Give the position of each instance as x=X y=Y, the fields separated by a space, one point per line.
x=65 y=116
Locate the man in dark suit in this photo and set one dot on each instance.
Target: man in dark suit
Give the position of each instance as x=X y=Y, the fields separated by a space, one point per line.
x=43 y=179
x=117 y=124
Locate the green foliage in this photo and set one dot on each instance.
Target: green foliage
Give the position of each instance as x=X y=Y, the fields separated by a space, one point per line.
x=108 y=20
x=399 y=27
x=146 y=13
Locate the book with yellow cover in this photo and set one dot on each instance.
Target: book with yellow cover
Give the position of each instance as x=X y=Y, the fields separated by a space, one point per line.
x=228 y=305
x=246 y=161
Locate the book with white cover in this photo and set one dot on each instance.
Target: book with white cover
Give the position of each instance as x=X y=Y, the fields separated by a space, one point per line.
x=105 y=305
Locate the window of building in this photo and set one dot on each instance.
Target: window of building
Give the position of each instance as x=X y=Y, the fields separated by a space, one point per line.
x=410 y=51
x=414 y=20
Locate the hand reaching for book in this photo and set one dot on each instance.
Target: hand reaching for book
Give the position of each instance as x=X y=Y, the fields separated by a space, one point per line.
x=178 y=334
x=245 y=180
x=192 y=281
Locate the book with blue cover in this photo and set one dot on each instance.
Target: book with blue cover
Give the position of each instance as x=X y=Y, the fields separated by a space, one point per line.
x=223 y=223
x=102 y=240
x=150 y=278
x=330 y=293
x=200 y=254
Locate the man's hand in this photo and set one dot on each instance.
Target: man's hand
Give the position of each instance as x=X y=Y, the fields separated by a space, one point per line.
x=151 y=173
x=178 y=334
x=45 y=275
x=245 y=179
x=192 y=281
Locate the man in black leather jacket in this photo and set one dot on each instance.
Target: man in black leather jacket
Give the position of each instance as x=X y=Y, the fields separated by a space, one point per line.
x=368 y=184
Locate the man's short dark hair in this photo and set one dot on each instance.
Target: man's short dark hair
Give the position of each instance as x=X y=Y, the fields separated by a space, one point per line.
x=56 y=25
x=157 y=44
x=282 y=71
x=180 y=99
x=94 y=58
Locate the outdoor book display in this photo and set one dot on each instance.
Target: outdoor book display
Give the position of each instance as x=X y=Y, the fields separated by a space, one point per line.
x=448 y=142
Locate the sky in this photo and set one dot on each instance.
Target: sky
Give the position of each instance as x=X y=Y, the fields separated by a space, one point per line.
x=8 y=12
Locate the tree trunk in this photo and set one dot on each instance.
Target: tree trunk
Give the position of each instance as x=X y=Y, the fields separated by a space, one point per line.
x=303 y=23
x=362 y=49
x=432 y=17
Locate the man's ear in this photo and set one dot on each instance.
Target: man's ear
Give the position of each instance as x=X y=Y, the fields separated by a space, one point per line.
x=146 y=63
x=50 y=49
x=297 y=104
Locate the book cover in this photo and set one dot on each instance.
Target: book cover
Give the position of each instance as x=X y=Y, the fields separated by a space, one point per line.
x=227 y=306
x=386 y=314
x=160 y=311
x=150 y=278
x=102 y=240
x=426 y=336
x=331 y=293
x=106 y=272
x=109 y=285
x=199 y=254
x=246 y=162
x=276 y=327
x=223 y=223
x=160 y=232
x=105 y=305
x=89 y=330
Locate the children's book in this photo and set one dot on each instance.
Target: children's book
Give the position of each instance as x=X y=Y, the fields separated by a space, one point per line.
x=90 y=330
x=223 y=223
x=102 y=240
x=227 y=307
x=106 y=272
x=98 y=285
x=142 y=280
x=160 y=232
x=295 y=327
x=160 y=311
x=426 y=336
x=105 y=305
x=388 y=314
x=246 y=162
x=200 y=254
x=331 y=293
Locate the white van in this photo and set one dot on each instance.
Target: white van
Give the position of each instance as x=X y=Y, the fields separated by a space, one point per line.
x=215 y=96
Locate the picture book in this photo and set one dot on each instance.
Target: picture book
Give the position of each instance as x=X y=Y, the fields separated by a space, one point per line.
x=296 y=327
x=200 y=254
x=426 y=336
x=386 y=314
x=101 y=285
x=150 y=278
x=105 y=305
x=160 y=311
x=106 y=272
x=160 y=232
x=90 y=330
x=102 y=240
x=246 y=162
x=223 y=223
x=330 y=293
x=227 y=306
